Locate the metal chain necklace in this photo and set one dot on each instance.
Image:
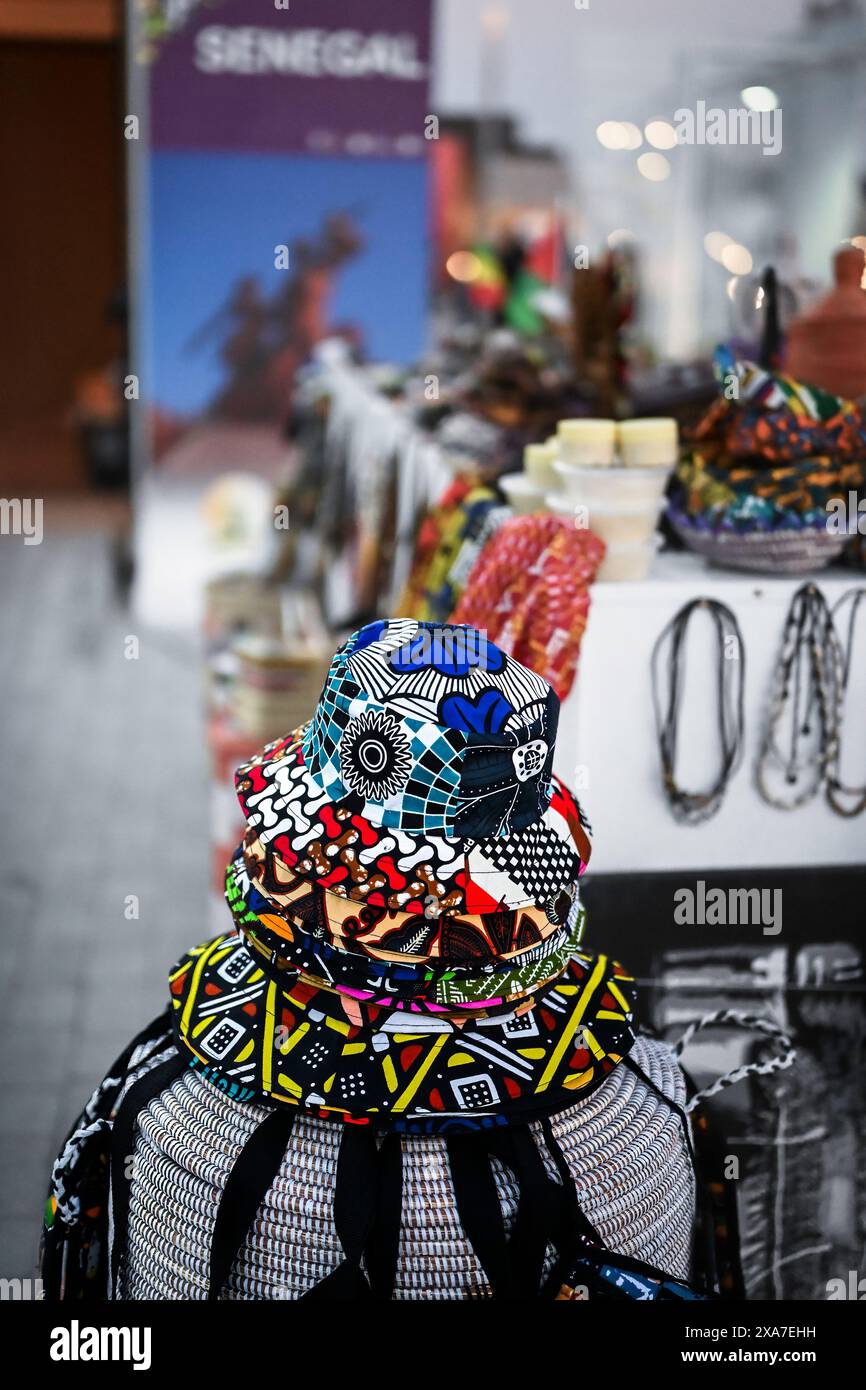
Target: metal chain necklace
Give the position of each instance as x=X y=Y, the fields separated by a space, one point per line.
x=808 y=685
x=836 y=788
x=694 y=807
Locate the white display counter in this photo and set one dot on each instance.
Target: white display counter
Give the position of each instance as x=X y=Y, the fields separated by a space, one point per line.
x=607 y=745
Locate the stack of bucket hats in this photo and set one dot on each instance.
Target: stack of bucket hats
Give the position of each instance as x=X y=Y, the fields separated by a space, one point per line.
x=401 y=1074
x=407 y=904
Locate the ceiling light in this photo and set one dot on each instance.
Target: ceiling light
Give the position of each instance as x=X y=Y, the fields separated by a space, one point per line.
x=611 y=134
x=759 y=98
x=736 y=259
x=715 y=244
x=661 y=134
x=654 y=167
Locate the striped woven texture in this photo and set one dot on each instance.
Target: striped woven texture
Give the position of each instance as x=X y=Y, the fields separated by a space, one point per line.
x=623 y=1144
x=774 y=552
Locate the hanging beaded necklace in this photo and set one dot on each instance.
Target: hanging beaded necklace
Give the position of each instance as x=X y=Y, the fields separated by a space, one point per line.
x=807 y=686
x=694 y=807
x=836 y=788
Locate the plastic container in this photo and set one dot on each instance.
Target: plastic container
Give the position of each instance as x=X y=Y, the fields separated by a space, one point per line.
x=649 y=443
x=582 y=442
x=538 y=461
x=624 y=525
x=562 y=505
x=605 y=487
x=615 y=524
x=522 y=493
x=631 y=560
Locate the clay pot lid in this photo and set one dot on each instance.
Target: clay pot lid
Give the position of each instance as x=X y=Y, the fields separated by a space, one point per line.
x=846 y=300
x=827 y=346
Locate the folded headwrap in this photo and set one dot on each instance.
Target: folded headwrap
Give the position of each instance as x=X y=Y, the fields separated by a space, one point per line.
x=771 y=457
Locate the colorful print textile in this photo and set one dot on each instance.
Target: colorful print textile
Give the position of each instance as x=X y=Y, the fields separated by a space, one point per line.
x=530 y=591
x=482 y=515
x=350 y=1060
x=456 y=521
x=438 y=995
x=420 y=728
x=374 y=929
x=442 y=605
x=771 y=458
x=407 y=905
x=771 y=392
x=288 y=954
x=305 y=837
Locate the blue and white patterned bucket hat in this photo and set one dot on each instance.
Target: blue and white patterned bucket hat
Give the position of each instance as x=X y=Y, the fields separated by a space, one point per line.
x=429 y=759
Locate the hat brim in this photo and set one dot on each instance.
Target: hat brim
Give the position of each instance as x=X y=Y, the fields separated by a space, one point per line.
x=388 y=933
x=314 y=1047
x=331 y=843
x=465 y=978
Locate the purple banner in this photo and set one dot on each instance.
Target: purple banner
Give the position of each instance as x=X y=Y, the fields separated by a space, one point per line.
x=322 y=77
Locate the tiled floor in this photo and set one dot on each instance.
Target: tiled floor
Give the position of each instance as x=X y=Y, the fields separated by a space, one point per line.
x=104 y=796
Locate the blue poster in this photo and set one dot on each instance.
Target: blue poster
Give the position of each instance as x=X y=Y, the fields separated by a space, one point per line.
x=284 y=201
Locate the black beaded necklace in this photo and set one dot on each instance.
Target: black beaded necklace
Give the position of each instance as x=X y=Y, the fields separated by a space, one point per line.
x=836 y=788
x=694 y=807
x=808 y=681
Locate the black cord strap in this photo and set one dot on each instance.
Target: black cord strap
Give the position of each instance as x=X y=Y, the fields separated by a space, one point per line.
x=383 y=1242
x=548 y=1214
x=694 y=807
x=368 y=1199
x=574 y=1213
x=538 y=1220
x=479 y=1210
x=677 y=1109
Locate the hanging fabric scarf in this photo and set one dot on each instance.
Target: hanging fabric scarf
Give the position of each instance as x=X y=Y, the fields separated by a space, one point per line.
x=529 y=590
x=453 y=527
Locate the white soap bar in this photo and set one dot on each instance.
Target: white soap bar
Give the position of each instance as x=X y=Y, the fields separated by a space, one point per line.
x=586 y=441
x=538 y=462
x=648 y=443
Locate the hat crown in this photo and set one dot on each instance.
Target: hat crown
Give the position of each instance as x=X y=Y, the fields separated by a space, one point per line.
x=436 y=729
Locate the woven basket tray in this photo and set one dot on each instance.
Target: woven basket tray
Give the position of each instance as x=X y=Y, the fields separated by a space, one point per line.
x=800 y=551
